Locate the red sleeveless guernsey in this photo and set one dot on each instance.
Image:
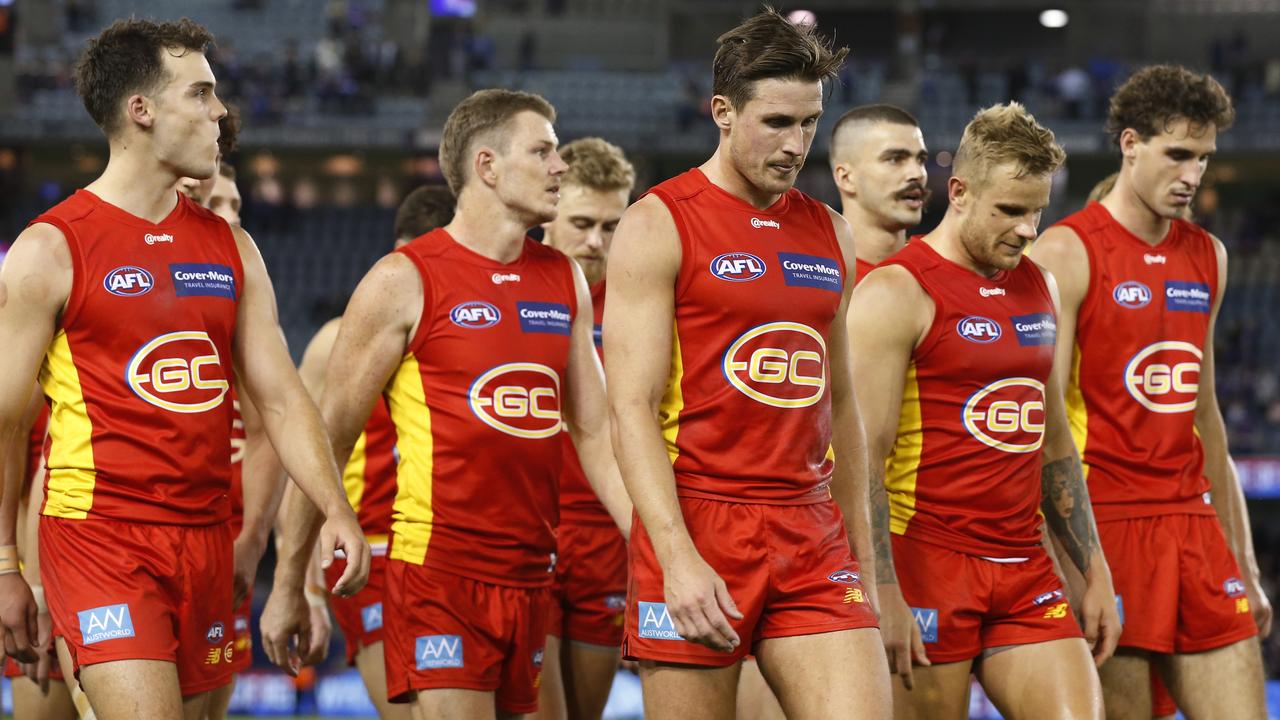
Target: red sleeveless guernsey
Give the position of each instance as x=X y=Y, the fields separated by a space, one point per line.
x=370 y=477
x=965 y=468
x=35 y=445
x=861 y=268
x=476 y=406
x=747 y=412
x=138 y=373
x=578 y=502
x=1135 y=374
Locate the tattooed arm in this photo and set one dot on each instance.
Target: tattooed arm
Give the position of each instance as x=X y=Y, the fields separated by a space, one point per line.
x=1069 y=516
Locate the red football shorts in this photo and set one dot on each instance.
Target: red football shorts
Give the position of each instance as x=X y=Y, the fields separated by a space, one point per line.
x=1177 y=584
x=135 y=591
x=590 y=591
x=965 y=604
x=1162 y=703
x=788 y=568
x=242 y=652
x=447 y=631
x=359 y=617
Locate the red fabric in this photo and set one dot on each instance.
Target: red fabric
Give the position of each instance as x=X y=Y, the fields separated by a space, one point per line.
x=494 y=385
x=1178 y=585
x=591 y=584
x=374 y=502
x=359 y=617
x=967 y=476
x=861 y=268
x=175 y=582
x=242 y=635
x=496 y=633
x=788 y=568
x=238 y=439
x=1140 y=338
x=976 y=604
x=754 y=301
x=578 y=502
x=1162 y=703
x=156 y=400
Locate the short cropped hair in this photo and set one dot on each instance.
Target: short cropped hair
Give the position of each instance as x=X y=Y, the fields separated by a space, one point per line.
x=423 y=210
x=483 y=117
x=1007 y=134
x=877 y=113
x=768 y=46
x=1158 y=95
x=125 y=59
x=597 y=164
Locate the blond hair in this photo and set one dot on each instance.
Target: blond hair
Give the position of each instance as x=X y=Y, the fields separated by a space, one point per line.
x=483 y=117
x=597 y=164
x=1007 y=134
x=1103 y=188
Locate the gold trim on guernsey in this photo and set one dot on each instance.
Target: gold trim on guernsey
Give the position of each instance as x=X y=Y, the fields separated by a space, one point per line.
x=673 y=399
x=904 y=463
x=412 y=512
x=1077 y=412
x=353 y=481
x=72 y=472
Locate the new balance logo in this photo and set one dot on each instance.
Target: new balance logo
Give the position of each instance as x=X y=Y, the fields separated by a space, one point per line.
x=854 y=595
x=1056 y=612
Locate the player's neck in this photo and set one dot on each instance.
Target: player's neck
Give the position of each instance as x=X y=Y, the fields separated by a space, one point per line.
x=874 y=242
x=487 y=231
x=136 y=184
x=722 y=173
x=1135 y=215
x=945 y=240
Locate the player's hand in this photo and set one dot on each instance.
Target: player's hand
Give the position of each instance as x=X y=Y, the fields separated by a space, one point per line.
x=285 y=626
x=19 y=617
x=903 y=644
x=1259 y=604
x=38 y=671
x=342 y=532
x=247 y=554
x=698 y=601
x=1099 y=615
x=321 y=631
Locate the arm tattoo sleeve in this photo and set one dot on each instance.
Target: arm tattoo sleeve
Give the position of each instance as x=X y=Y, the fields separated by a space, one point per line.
x=1065 y=502
x=885 y=573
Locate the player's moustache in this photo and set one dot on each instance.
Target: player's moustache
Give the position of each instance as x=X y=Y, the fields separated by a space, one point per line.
x=914 y=190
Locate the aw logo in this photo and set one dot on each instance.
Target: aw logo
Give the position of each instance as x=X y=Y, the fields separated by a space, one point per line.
x=179 y=371
x=655 y=623
x=128 y=281
x=438 y=651
x=371 y=617
x=109 y=622
x=1007 y=415
x=520 y=399
x=737 y=267
x=976 y=328
x=1165 y=377
x=1131 y=294
x=474 y=315
x=780 y=364
x=927 y=620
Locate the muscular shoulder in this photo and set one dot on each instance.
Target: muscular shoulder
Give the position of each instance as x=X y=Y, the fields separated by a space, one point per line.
x=647 y=237
x=1058 y=246
x=38 y=268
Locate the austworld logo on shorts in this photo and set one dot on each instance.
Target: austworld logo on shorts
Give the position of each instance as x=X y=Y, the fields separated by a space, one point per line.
x=371 y=617
x=439 y=651
x=655 y=622
x=927 y=620
x=109 y=622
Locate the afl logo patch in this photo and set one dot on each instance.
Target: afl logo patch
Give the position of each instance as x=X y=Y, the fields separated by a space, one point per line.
x=737 y=267
x=128 y=281
x=976 y=328
x=474 y=315
x=1131 y=294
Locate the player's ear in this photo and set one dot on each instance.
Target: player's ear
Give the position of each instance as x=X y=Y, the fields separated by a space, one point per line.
x=483 y=167
x=843 y=178
x=958 y=191
x=140 y=110
x=722 y=112
x=1129 y=143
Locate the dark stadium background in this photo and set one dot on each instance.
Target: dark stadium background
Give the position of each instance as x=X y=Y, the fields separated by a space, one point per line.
x=342 y=103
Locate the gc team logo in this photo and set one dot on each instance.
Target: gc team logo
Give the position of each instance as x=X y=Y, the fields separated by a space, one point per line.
x=1131 y=294
x=737 y=267
x=1164 y=377
x=520 y=399
x=976 y=328
x=1007 y=415
x=179 y=371
x=474 y=315
x=781 y=364
x=128 y=281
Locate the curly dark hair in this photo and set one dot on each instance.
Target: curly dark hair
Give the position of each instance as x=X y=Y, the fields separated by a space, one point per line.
x=1156 y=96
x=229 y=131
x=770 y=46
x=423 y=210
x=125 y=58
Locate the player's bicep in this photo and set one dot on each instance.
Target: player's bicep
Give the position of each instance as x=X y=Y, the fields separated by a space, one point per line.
x=372 y=339
x=1060 y=251
x=315 y=359
x=35 y=281
x=1207 y=409
x=585 y=406
x=639 y=317
x=884 y=325
x=261 y=358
